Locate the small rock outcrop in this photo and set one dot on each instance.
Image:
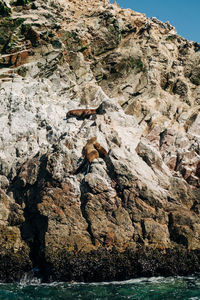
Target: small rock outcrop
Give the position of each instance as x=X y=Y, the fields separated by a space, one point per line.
x=133 y=208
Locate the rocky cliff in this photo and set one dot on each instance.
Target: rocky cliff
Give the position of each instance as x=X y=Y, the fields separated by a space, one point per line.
x=133 y=211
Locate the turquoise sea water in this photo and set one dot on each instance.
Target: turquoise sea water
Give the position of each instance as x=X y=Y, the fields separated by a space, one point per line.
x=137 y=289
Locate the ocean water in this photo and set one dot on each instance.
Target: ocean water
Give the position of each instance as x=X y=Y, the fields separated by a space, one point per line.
x=137 y=289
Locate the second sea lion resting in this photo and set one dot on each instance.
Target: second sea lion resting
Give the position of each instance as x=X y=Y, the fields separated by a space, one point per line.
x=85 y=112
x=81 y=113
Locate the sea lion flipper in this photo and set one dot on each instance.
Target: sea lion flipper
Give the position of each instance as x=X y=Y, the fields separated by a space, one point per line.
x=100 y=149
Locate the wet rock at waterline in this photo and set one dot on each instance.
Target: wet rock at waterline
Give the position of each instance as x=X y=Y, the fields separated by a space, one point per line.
x=133 y=211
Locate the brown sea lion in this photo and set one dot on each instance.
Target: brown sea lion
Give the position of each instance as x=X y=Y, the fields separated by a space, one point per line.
x=100 y=149
x=86 y=112
x=81 y=113
x=91 y=151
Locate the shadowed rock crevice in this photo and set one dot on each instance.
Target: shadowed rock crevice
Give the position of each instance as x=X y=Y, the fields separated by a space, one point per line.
x=111 y=171
x=33 y=232
x=27 y=188
x=175 y=233
x=143 y=229
x=84 y=200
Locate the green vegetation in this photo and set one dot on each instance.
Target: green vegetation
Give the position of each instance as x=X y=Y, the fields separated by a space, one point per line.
x=126 y=65
x=136 y=63
x=84 y=47
x=74 y=43
x=72 y=40
x=4 y=9
x=109 y=35
x=8 y=27
x=195 y=75
x=21 y=2
x=10 y=24
x=171 y=37
x=196 y=79
x=118 y=66
x=114 y=32
x=22 y=71
x=53 y=4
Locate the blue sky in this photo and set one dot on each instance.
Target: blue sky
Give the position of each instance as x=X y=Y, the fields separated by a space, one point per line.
x=183 y=14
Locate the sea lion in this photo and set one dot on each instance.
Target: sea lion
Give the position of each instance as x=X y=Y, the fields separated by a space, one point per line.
x=91 y=151
x=86 y=112
x=81 y=113
x=100 y=149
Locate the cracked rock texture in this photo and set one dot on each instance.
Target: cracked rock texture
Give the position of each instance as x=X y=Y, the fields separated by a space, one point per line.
x=132 y=213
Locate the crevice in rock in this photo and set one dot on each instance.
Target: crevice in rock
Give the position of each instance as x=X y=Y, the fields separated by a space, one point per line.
x=143 y=229
x=132 y=95
x=190 y=121
x=175 y=235
x=34 y=229
x=179 y=159
x=170 y=222
x=110 y=168
x=33 y=232
x=114 y=178
x=83 y=167
x=162 y=137
x=84 y=191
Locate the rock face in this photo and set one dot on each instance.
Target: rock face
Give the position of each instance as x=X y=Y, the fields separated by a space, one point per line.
x=133 y=212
